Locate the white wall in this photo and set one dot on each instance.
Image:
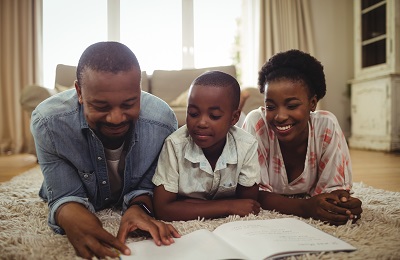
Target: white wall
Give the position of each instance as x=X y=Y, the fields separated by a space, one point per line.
x=334 y=46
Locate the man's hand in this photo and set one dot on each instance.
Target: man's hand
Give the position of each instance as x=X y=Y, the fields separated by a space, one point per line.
x=135 y=218
x=86 y=234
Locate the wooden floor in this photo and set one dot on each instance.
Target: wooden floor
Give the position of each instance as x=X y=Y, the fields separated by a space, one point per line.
x=377 y=169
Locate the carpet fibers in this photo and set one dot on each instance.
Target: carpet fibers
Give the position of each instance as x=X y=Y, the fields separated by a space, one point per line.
x=24 y=233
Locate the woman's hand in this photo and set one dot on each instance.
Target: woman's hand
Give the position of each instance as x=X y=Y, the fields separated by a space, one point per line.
x=350 y=203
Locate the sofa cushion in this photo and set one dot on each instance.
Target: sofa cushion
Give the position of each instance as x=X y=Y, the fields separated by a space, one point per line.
x=254 y=101
x=65 y=75
x=144 y=84
x=169 y=84
x=61 y=88
x=181 y=100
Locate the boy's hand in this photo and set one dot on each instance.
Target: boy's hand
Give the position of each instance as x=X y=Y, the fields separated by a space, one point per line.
x=244 y=207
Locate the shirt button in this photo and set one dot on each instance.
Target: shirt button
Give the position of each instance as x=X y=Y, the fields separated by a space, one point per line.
x=106 y=199
x=99 y=158
x=85 y=175
x=104 y=182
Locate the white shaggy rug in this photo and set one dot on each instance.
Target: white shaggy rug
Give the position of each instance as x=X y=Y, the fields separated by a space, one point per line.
x=24 y=233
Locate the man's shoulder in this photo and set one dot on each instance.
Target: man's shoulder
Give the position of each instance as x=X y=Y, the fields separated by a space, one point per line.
x=154 y=110
x=60 y=104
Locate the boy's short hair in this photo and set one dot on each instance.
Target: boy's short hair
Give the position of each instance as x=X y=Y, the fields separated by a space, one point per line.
x=220 y=79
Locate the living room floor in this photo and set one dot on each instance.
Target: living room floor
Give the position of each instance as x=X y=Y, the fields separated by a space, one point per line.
x=378 y=169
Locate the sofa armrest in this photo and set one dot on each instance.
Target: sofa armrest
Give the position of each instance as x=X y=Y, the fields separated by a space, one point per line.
x=32 y=95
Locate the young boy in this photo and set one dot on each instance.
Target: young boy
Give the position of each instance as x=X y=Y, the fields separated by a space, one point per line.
x=209 y=167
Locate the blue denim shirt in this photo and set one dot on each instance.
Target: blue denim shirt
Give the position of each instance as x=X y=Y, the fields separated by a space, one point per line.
x=72 y=158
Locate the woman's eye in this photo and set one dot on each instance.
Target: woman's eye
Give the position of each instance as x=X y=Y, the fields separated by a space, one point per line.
x=293 y=106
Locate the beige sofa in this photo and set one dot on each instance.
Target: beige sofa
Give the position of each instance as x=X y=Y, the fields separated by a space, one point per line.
x=169 y=85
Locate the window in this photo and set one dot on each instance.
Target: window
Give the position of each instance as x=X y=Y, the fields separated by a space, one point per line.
x=216 y=27
x=171 y=34
x=153 y=31
x=69 y=26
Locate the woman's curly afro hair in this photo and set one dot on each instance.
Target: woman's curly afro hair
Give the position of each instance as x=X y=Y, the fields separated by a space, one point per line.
x=294 y=65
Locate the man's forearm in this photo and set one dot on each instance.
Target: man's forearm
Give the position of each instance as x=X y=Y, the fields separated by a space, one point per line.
x=67 y=213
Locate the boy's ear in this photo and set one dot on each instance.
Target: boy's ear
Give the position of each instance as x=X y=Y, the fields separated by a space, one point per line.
x=235 y=116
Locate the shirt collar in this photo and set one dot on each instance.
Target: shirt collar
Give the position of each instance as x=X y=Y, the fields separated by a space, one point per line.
x=195 y=154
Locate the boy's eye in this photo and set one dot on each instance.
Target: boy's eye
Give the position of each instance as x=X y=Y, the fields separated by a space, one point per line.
x=215 y=117
x=269 y=107
x=192 y=114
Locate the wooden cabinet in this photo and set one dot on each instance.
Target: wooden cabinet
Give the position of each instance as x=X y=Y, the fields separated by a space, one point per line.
x=375 y=90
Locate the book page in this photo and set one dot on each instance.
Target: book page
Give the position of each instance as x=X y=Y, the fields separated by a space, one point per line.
x=198 y=245
x=259 y=239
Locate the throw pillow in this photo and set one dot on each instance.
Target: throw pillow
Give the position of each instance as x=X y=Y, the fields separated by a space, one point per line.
x=181 y=100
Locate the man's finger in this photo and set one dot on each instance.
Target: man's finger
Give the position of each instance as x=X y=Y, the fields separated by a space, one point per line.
x=173 y=231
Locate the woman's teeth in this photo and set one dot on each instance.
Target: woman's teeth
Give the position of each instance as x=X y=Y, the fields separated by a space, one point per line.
x=283 y=128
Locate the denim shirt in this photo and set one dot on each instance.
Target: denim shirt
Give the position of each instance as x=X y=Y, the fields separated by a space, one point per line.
x=72 y=157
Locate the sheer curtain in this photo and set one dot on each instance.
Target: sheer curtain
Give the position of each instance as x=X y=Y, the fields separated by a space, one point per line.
x=20 y=64
x=271 y=26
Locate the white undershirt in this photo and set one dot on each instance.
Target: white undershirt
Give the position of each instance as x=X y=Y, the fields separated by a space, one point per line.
x=113 y=158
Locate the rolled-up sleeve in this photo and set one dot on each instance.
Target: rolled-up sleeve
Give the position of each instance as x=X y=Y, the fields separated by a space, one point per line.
x=62 y=183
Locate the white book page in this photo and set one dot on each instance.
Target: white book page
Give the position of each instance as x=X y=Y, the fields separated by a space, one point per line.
x=198 y=245
x=259 y=239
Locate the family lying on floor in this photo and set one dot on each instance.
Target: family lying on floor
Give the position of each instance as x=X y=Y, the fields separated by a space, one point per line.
x=108 y=144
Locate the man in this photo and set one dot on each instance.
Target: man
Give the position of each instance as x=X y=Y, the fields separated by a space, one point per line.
x=98 y=147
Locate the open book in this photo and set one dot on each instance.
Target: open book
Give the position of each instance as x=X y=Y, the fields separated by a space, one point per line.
x=252 y=239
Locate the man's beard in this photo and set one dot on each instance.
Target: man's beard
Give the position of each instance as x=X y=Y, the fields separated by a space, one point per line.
x=111 y=141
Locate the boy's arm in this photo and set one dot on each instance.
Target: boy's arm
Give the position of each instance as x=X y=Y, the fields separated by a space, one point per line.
x=243 y=192
x=167 y=207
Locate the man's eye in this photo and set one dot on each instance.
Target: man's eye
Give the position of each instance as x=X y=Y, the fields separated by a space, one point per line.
x=127 y=106
x=101 y=109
